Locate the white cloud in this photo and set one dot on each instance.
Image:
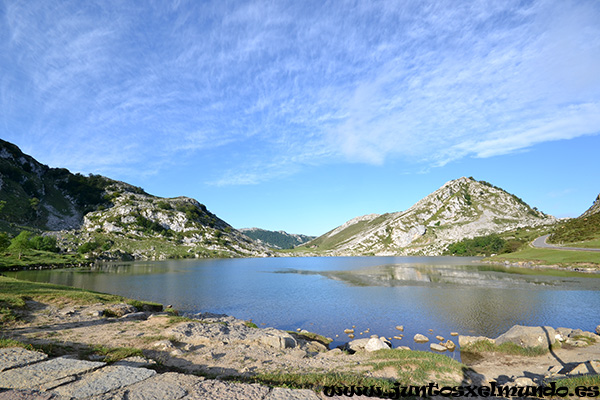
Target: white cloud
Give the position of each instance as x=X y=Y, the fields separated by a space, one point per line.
x=285 y=84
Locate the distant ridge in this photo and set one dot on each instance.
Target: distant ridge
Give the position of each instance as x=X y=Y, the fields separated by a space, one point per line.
x=276 y=239
x=461 y=208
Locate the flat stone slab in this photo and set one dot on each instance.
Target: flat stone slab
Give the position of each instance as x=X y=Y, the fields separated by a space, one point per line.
x=219 y=390
x=26 y=395
x=167 y=386
x=104 y=380
x=291 y=394
x=46 y=374
x=13 y=357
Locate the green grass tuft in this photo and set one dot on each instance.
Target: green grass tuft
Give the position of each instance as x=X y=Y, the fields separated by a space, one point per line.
x=484 y=346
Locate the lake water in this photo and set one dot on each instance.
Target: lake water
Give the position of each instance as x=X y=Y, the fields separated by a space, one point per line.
x=329 y=294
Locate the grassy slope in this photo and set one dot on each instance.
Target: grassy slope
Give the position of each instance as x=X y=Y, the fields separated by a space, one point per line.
x=14 y=292
x=36 y=258
x=551 y=256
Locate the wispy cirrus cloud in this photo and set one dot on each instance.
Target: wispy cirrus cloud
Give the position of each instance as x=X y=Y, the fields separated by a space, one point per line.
x=274 y=86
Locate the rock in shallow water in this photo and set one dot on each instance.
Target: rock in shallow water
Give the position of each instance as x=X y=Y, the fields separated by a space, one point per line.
x=420 y=338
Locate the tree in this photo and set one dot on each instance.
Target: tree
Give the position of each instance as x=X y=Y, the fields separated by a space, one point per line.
x=4 y=241
x=20 y=243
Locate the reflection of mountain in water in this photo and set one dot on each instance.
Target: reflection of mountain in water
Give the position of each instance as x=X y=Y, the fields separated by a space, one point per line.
x=454 y=275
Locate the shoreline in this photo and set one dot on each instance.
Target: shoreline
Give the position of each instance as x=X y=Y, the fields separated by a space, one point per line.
x=219 y=346
x=583 y=268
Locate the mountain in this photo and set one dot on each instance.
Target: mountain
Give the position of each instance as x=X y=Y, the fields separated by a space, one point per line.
x=461 y=208
x=594 y=209
x=110 y=219
x=276 y=239
x=581 y=229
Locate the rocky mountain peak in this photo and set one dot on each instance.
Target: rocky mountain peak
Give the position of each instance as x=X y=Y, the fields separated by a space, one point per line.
x=461 y=208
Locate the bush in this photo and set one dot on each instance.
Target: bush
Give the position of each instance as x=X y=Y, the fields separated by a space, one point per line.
x=45 y=243
x=490 y=244
x=164 y=205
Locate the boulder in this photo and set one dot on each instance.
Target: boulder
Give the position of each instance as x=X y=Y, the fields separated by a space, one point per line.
x=355 y=345
x=375 y=344
x=280 y=341
x=588 y=367
x=437 y=347
x=524 y=381
x=137 y=316
x=598 y=330
x=467 y=340
x=529 y=336
x=401 y=328
x=420 y=338
x=118 y=310
x=450 y=345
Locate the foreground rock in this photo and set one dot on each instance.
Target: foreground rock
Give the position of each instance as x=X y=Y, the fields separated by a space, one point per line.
x=76 y=379
x=529 y=336
x=18 y=357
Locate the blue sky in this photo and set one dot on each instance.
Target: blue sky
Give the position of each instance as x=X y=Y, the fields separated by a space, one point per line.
x=300 y=115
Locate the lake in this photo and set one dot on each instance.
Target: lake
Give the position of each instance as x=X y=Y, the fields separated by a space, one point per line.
x=329 y=294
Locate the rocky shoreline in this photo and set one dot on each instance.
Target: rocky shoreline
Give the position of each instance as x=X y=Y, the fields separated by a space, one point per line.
x=581 y=267
x=197 y=355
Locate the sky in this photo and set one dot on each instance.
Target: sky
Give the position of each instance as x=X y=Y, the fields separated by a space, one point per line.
x=300 y=115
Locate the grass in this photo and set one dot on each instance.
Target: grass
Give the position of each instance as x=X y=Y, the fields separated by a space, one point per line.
x=573 y=384
x=552 y=256
x=411 y=367
x=418 y=366
x=485 y=346
x=114 y=354
x=250 y=324
x=589 y=244
x=4 y=343
x=319 y=380
x=37 y=257
x=577 y=230
x=14 y=292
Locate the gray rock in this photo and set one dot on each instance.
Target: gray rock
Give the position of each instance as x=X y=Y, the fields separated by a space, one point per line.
x=467 y=340
x=563 y=333
x=46 y=374
x=167 y=386
x=13 y=357
x=598 y=330
x=355 y=345
x=26 y=395
x=104 y=380
x=588 y=367
x=524 y=381
x=529 y=336
x=291 y=394
x=375 y=344
x=278 y=341
x=121 y=309
x=576 y=342
x=135 y=361
x=419 y=338
x=437 y=347
x=579 y=332
x=450 y=345
x=139 y=316
x=219 y=390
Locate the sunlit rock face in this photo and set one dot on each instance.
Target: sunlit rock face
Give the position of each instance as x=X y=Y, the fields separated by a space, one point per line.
x=462 y=208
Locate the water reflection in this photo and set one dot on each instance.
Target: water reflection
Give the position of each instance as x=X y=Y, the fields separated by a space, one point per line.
x=457 y=275
x=330 y=294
